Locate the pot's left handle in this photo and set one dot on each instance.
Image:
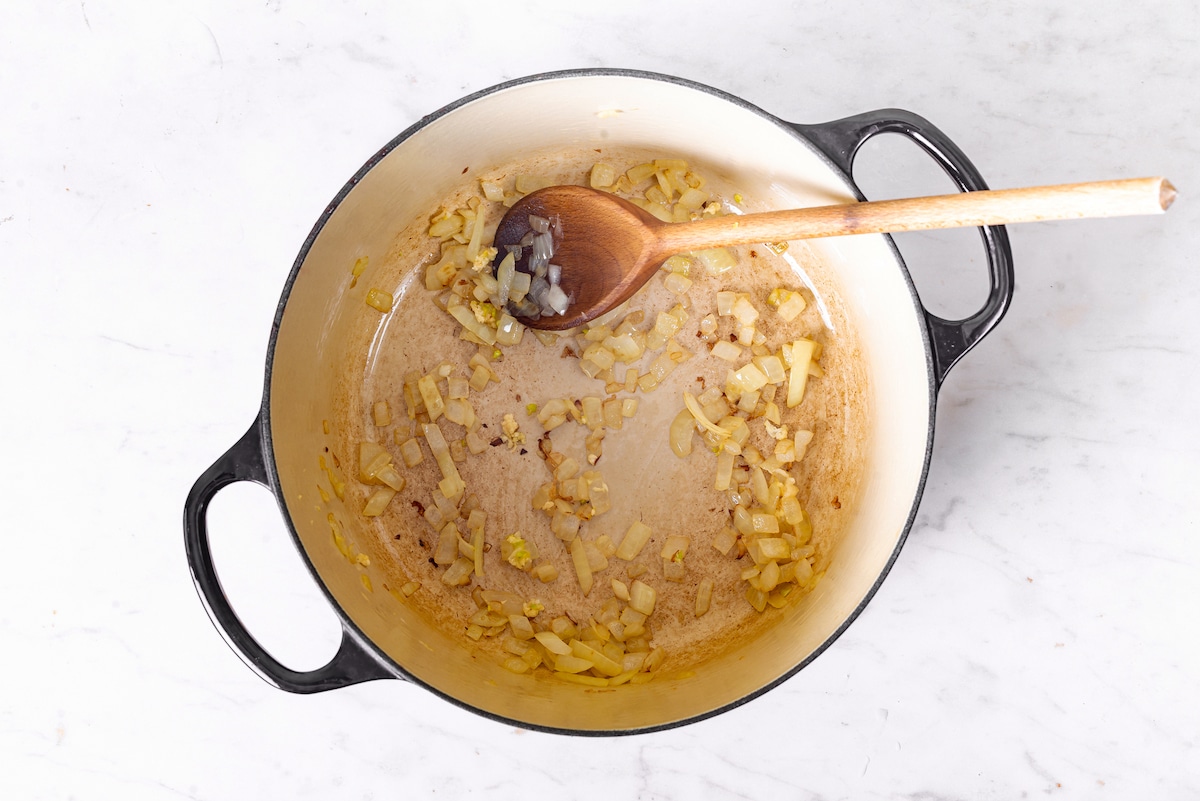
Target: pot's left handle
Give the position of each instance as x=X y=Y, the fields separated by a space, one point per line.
x=245 y=462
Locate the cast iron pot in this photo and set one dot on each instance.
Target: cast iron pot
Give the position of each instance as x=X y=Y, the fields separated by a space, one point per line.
x=908 y=350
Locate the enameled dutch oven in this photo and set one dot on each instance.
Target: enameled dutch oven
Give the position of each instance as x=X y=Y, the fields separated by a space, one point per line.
x=908 y=351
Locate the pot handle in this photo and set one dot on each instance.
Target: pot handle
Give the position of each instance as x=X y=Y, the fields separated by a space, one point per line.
x=351 y=664
x=840 y=140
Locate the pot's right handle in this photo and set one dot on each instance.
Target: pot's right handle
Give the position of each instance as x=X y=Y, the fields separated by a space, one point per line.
x=351 y=664
x=840 y=140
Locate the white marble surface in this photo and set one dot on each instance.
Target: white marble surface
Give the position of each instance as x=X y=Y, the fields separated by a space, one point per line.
x=160 y=165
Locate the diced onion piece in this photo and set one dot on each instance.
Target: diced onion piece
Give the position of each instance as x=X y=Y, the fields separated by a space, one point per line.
x=580 y=561
x=520 y=286
x=703 y=596
x=457 y=387
x=447 y=547
x=612 y=413
x=411 y=453
x=389 y=476
x=718 y=260
x=635 y=539
x=769 y=578
x=758 y=484
x=724 y=349
x=693 y=406
x=447 y=226
x=381 y=413
x=599 y=355
x=642 y=597
x=666 y=325
x=677 y=284
x=568 y=664
x=545 y=572
x=802 y=439
x=620 y=590
x=476 y=238
x=772 y=368
x=552 y=643
x=565 y=526
x=749 y=378
x=516 y=664
x=678 y=264
x=556 y=300
x=791 y=308
x=802 y=351
x=477 y=545
x=624 y=348
x=598 y=492
x=771 y=549
x=593 y=412
x=479 y=379
x=371 y=459
x=583 y=678
x=596 y=560
x=681 y=431
x=803 y=572
x=629 y=407
x=725 y=301
x=441 y=452
x=462 y=312
x=791 y=511
x=756 y=598
x=692 y=199
x=600 y=661
x=378 y=501
x=492 y=191
x=522 y=629
x=605 y=545
x=675 y=547
x=460 y=411
x=459 y=572
x=434 y=405
x=743 y=311
x=509 y=330
x=724 y=470
x=640 y=172
x=531 y=183
x=505 y=274
x=724 y=540
x=379 y=300
x=602 y=175
x=764 y=523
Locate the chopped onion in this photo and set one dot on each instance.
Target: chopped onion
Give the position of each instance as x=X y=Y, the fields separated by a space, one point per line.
x=504 y=279
x=557 y=300
x=642 y=597
x=703 y=596
x=583 y=571
x=693 y=406
x=681 y=431
x=635 y=539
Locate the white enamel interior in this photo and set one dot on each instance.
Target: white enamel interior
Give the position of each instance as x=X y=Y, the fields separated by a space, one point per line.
x=755 y=152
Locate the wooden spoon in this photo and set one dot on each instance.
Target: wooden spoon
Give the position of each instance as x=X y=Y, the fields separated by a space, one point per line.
x=608 y=248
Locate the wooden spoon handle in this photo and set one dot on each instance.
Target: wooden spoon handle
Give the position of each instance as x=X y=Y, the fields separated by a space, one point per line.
x=966 y=209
